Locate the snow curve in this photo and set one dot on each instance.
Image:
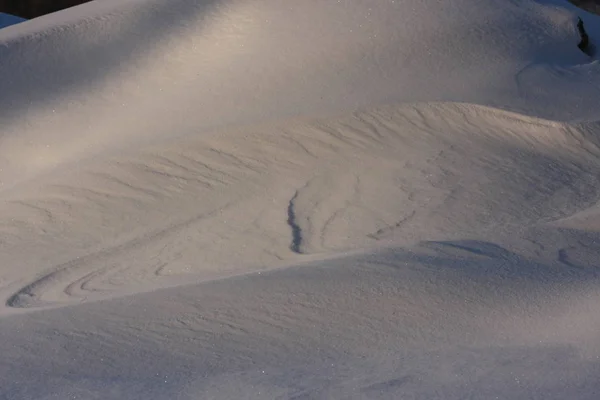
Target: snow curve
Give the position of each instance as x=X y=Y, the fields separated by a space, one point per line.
x=392 y=176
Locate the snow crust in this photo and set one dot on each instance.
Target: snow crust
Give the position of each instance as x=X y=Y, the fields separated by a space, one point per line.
x=316 y=199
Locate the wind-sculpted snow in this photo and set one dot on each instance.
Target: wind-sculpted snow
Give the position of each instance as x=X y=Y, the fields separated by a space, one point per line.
x=314 y=199
x=258 y=197
x=447 y=320
x=117 y=74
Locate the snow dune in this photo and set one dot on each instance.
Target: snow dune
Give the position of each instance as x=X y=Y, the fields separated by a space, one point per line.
x=450 y=323
x=218 y=204
x=229 y=63
x=336 y=199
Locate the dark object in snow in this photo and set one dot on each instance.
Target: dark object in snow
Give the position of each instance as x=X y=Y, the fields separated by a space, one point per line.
x=584 y=44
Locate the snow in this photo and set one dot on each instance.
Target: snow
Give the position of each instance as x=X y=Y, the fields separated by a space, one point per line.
x=318 y=199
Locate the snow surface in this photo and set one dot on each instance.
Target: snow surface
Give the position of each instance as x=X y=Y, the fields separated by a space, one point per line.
x=318 y=199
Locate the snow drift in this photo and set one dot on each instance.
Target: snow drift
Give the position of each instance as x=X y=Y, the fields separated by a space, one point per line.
x=427 y=172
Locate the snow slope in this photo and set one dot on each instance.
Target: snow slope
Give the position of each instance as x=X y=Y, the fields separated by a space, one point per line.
x=330 y=199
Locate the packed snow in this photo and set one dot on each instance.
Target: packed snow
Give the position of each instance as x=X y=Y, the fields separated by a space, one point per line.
x=229 y=199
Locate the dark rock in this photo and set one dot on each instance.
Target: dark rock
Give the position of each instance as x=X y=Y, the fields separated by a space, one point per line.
x=584 y=44
x=35 y=8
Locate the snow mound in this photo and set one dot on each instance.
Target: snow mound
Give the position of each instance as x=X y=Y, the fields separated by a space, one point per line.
x=223 y=203
x=447 y=321
x=358 y=199
x=113 y=75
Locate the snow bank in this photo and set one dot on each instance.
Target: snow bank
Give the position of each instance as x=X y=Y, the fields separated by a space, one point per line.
x=197 y=66
x=445 y=322
x=336 y=198
x=217 y=204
